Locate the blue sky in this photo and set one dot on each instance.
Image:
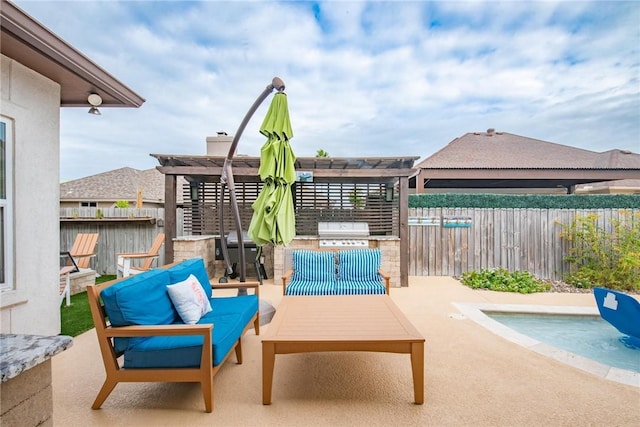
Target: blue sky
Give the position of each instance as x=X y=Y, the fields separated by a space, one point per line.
x=373 y=79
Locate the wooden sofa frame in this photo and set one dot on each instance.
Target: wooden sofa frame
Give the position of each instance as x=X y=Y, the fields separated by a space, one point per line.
x=203 y=375
x=286 y=278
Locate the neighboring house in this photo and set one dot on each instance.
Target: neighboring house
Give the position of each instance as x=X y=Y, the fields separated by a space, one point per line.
x=39 y=74
x=141 y=188
x=500 y=162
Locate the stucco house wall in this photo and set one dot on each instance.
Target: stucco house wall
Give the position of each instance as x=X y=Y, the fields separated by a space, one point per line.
x=32 y=103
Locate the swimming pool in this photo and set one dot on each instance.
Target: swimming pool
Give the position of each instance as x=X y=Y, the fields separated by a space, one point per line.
x=479 y=313
x=588 y=336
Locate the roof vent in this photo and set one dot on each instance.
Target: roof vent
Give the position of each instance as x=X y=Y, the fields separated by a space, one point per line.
x=625 y=152
x=490 y=131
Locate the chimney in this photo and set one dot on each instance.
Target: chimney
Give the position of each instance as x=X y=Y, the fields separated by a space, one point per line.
x=490 y=131
x=219 y=145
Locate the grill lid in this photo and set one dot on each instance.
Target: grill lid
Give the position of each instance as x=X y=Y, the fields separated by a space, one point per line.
x=232 y=239
x=343 y=229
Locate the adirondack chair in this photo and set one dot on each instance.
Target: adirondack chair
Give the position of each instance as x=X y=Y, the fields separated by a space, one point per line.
x=83 y=249
x=65 y=284
x=125 y=268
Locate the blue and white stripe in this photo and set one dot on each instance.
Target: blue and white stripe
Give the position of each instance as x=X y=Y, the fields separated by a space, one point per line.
x=359 y=265
x=313 y=266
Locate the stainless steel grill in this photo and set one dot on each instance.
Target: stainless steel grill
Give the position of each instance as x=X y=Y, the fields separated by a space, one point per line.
x=250 y=253
x=343 y=234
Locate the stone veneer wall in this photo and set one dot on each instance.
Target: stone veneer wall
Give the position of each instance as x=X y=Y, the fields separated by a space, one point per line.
x=81 y=279
x=26 y=390
x=204 y=246
x=390 y=248
x=187 y=247
x=27 y=400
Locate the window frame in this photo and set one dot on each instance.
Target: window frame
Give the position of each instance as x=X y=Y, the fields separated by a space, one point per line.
x=7 y=205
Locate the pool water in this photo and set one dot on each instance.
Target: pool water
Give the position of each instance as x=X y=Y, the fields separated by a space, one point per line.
x=587 y=336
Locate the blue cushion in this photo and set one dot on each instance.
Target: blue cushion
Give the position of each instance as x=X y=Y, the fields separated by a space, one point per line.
x=229 y=317
x=359 y=265
x=360 y=288
x=306 y=287
x=313 y=266
x=141 y=299
x=195 y=266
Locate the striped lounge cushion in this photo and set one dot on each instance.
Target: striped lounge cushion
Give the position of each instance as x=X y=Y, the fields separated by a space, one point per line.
x=313 y=266
x=311 y=288
x=359 y=265
x=360 y=288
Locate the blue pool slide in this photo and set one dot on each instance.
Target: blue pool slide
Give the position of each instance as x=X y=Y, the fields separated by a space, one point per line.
x=622 y=311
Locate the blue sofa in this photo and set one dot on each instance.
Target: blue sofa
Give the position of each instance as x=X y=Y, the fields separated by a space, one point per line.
x=336 y=272
x=138 y=320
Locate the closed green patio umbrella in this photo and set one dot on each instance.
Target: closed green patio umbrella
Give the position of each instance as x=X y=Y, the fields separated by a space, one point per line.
x=273 y=218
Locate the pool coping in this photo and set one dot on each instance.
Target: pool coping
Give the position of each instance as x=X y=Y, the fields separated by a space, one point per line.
x=475 y=312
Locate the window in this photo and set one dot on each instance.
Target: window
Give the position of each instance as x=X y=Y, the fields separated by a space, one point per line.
x=6 y=204
x=88 y=204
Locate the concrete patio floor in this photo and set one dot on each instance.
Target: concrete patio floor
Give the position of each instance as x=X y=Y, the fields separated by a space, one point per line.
x=473 y=377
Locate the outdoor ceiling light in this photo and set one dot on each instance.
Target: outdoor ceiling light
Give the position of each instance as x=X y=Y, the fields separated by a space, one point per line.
x=95 y=100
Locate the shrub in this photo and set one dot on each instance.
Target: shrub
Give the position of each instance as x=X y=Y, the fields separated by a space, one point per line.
x=122 y=204
x=502 y=280
x=604 y=258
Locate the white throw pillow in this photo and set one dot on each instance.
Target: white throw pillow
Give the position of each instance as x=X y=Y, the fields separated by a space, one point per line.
x=189 y=299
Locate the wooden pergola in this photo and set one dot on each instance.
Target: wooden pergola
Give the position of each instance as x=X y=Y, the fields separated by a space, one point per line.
x=391 y=172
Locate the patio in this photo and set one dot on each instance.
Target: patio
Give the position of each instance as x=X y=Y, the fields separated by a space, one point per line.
x=472 y=377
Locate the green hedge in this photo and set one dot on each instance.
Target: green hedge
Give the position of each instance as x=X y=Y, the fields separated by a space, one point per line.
x=531 y=201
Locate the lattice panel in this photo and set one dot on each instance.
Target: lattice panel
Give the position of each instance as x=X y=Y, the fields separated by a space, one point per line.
x=375 y=204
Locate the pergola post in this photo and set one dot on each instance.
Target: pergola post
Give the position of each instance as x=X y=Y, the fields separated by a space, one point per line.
x=170 y=188
x=404 y=230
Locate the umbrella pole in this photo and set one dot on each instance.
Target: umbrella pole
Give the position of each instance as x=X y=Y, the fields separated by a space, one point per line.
x=227 y=178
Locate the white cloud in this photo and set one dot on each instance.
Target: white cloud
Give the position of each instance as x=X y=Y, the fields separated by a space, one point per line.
x=363 y=78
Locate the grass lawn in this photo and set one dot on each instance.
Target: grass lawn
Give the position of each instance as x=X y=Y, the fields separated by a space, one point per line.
x=76 y=318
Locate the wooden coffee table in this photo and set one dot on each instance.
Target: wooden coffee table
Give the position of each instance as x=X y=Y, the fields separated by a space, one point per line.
x=304 y=324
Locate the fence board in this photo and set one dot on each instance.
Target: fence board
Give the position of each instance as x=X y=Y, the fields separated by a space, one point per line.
x=121 y=230
x=514 y=239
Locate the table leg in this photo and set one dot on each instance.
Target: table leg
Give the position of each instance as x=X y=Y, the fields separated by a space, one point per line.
x=417 y=368
x=268 y=362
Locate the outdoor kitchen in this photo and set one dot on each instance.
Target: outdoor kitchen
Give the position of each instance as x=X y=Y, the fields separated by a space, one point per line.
x=339 y=203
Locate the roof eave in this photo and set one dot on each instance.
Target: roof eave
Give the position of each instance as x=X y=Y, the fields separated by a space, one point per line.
x=27 y=41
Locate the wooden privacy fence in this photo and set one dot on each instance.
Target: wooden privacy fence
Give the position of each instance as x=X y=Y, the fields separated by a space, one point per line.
x=442 y=241
x=451 y=241
x=121 y=230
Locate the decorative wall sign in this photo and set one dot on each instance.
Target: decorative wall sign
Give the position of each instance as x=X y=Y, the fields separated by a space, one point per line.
x=456 y=221
x=428 y=221
x=304 y=176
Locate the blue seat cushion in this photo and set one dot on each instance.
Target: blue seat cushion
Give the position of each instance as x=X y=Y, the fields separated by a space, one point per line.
x=308 y=287
x=229 y=316
x=360 y=288
x=310 y=266
x=359 y=265
x=195 y=266
x=139 y=300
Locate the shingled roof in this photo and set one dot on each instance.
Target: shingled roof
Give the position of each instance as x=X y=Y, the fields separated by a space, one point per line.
x=503 y=160
x=500 y=160
x=502 y=150
x=117 y=184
